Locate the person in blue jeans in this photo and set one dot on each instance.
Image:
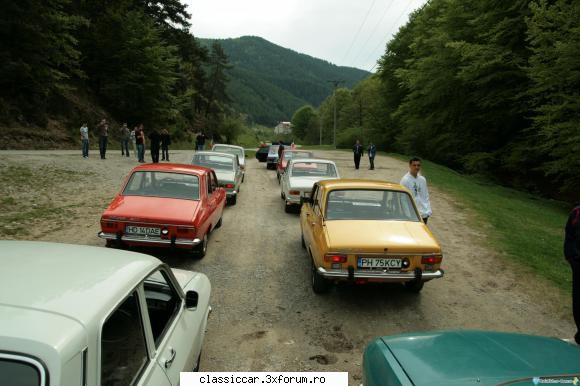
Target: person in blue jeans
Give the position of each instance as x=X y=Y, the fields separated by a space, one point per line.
x=372 y=152
x=140 y=140
x=85 y=140
x=572 y=254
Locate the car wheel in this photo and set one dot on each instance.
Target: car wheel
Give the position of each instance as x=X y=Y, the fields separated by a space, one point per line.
x=282 y=196
x=233 y=200
x=319 y=284
x=201 y=249
x=219 y=223
x=302 y=239
x=414 y=286
x=278 y=177
x=287 y=208
x=196 y=368
x=243 y=177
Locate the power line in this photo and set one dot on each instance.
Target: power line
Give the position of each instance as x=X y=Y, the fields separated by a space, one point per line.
x=384 y=42
x=358 y=32
x=374 y=30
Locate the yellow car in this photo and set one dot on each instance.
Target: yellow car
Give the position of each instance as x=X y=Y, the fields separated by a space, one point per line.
x=367 y=231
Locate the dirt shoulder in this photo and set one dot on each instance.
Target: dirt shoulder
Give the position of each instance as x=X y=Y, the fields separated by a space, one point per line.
x=266 y=316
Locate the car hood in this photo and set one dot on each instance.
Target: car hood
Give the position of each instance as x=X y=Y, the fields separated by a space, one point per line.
x=152 y=209
x=225 y=176
x=183 y=276
x=480 y=358
x=306 y=182
x=376 y=236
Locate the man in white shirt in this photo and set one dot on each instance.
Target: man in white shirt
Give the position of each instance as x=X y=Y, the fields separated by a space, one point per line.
x=417 y=185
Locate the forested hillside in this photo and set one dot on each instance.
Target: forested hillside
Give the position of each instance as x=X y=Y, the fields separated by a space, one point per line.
x=269 y=82
x=485 y=86
x=66 y=62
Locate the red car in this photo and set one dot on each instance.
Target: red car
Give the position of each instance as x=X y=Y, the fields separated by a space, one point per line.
x=287 y=155
x=165 y=205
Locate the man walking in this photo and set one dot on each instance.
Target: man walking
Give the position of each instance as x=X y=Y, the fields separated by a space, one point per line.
x=372 y=152
x=125 y=136
x=103 y=128
x=165 y=142
x=140 y=141
x=155 y=139
x=358 y=151
x=85 y=140
x=417 y=185
x=572 y=254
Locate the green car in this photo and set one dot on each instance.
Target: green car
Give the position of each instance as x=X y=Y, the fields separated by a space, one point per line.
x=469 y=358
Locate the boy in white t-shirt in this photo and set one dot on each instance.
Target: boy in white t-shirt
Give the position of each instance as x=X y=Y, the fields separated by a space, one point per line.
x=417 y=185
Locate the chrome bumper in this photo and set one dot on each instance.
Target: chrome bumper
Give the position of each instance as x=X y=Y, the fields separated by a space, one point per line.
x=151 y=240
x=386 y=276
x=293 y=200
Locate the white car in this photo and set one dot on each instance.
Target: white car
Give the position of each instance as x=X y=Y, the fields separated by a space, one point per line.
x=227 y=169
x=301 y=174
x=87 y=316
x=233 y=149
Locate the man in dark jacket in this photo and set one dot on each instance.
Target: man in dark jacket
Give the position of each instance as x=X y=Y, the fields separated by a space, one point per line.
x=572 y=254
x=372 y=152
x=155 y=139
x=358 y=150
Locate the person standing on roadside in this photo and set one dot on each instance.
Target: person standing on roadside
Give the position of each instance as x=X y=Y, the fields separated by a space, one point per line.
x=417 y=185
x=103 y=128
x=133 y=139
x=155 y=139
x=85 y=140
x=200 y=141
x=372 y=152
x=165 y=142
x=125 y=136
x=572 y=254
x=140 y=141
x=358 y=151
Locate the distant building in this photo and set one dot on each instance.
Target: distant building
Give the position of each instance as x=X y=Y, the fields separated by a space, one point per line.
x=283 y=128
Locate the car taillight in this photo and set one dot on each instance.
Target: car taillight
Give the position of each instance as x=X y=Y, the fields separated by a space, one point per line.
x=432 y=259
x=185 y=230
x=229 y=186
x=335 y=258
x=108 y=224
x=294 y=192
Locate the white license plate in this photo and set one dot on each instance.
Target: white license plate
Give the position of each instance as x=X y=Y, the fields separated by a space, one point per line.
x=142 y=231
x=372 y=262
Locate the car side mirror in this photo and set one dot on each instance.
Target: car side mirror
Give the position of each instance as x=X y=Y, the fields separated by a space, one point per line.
x=191 y=300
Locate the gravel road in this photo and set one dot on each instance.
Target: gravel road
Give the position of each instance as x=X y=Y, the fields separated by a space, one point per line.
x=266 y=317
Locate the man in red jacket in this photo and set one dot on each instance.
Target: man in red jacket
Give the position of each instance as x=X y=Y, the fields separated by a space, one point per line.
x=572 y=254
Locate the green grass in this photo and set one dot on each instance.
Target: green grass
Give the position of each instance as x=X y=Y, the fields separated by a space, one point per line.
x=318 y=147
x=527 y=229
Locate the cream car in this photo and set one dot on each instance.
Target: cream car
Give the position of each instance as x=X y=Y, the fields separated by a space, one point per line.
x=77 y=315
x=233 y=149
x=301 y=175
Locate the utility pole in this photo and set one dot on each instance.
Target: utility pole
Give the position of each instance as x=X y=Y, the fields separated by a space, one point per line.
x=335 y=83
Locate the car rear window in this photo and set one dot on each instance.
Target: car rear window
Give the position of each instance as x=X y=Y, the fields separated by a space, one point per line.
x=163 y=184
x=230 y=150
x=21 y=371
x=370 y=204
x=214 y=161
x=297 y=154
x=313 y=169
x=273 y=150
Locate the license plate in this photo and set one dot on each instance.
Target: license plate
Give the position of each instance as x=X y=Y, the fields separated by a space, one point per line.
x=372 y=262
x=142 y=231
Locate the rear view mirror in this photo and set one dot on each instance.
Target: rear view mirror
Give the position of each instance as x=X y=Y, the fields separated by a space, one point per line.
x=191 y=299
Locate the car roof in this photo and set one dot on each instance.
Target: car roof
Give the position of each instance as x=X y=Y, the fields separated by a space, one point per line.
x=175 y=168
x=224 y=144
x=462 y=357
x=63 y=284
x=311 y=160
x=360 y=184
x=210 y=152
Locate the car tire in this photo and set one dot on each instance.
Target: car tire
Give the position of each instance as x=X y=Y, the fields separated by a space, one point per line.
x=196 y=368
x=319 y=284
x=287 y=208
x=302 y=240
x=282 y=196
x=219 y=223
x=200 y=250
x=233 y=200
x=414 y=286
x=243 y=177
x=278 y=177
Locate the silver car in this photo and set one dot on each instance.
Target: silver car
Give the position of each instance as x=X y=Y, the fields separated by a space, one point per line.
x=227 y=169
x=272 y=159
x=301 y=174
x=87 y=316
x=233 y=149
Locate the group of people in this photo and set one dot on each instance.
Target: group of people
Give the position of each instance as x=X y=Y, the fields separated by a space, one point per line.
x=135 y=137
x=358 y=151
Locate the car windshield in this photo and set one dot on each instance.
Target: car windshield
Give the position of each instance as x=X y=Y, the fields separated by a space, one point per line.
x=297 y=154
x=163 y=184
x=230 y=150
x=214 y=161
x=273 y=150
x=313 y=169
x=367 y=204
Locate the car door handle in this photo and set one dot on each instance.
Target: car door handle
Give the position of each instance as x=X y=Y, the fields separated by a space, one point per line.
x=172 y=354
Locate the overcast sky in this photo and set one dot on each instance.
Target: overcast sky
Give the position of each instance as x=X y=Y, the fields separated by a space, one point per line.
x=344 y=32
